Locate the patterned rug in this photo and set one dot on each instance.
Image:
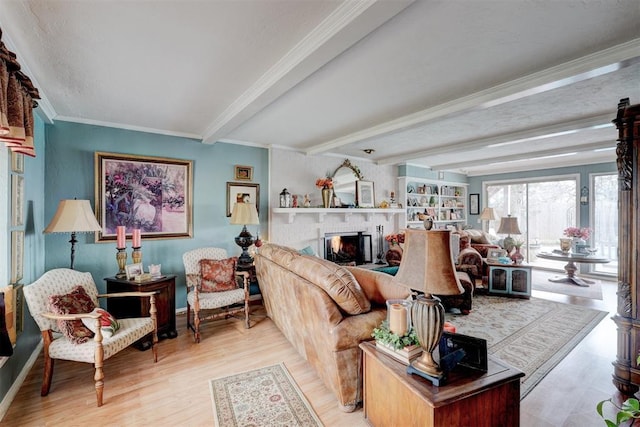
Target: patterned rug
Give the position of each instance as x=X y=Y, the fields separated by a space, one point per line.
x=531 y=335
x=262 y=397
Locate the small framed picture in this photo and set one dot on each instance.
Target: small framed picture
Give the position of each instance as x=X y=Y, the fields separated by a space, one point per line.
x=474 y=204
x=243 y=173
x=133 y=270
x=242 y=193
x=365 y=197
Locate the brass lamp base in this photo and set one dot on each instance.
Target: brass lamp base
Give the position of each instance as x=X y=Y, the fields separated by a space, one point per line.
x=428 y=321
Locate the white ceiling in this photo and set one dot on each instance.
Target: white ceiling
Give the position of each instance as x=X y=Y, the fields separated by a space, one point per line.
x=475 y=86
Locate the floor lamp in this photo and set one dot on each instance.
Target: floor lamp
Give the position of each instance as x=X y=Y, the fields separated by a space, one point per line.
x=73 y=216
x=427 y=266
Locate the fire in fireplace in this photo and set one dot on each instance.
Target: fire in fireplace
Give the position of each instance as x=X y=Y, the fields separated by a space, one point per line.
x=348 y=248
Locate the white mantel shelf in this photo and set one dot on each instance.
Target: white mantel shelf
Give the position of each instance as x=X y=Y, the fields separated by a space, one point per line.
x=346 y=212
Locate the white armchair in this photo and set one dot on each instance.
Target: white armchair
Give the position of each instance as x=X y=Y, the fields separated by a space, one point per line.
x=219 y=304
x=57 y=346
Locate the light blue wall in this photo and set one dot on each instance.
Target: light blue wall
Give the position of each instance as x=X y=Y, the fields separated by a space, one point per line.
x=33 y=256
x=70 y=152
x=475 y=184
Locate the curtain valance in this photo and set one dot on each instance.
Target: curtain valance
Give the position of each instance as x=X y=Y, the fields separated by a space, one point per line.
x=17 y=101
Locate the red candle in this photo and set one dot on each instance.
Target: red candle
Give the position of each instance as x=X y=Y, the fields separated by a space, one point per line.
x=121 y=236
x=136 y=238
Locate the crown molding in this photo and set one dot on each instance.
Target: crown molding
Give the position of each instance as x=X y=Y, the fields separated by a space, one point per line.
x=128 y=127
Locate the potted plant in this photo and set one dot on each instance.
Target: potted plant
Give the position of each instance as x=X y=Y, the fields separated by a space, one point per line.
x=629 y=410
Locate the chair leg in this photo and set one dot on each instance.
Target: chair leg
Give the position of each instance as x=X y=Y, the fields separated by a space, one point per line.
x=189 y=326
x=196 y=325
x=246 y=314
x=47 y=337
x=98 y=362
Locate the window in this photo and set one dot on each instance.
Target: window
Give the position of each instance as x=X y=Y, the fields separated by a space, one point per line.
x=603 y=202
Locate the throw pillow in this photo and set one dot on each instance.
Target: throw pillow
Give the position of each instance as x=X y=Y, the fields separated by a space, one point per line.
x=108 y=324
x=77 y=301
x=308 y=251
x=218 y=274
x=477 y=236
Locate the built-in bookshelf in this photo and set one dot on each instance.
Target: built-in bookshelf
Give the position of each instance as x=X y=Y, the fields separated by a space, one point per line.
x=444 y=202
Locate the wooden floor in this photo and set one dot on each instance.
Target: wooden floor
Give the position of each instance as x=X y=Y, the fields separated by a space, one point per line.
x=175 y=391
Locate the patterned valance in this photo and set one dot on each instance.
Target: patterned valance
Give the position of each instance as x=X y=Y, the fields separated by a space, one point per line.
x=17 y=101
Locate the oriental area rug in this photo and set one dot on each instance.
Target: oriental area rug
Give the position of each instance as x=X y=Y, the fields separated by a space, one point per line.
x=261 y=397
x=531 y=335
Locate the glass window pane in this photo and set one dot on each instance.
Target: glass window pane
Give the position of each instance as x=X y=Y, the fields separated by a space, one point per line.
x=604 y=202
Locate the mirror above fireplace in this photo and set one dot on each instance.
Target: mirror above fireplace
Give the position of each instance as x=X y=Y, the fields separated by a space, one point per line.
x=344 y=182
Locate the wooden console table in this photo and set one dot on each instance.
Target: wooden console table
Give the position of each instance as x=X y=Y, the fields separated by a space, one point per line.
x=394 y=398
x=136 y=307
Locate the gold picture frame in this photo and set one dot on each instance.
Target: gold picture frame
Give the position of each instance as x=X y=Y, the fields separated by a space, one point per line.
x=243 y=173
x=247 y=193
x=154 y=194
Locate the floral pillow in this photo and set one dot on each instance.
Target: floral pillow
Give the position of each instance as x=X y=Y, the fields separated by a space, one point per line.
x=77 y=301
x=108 y=324
x=218 y=274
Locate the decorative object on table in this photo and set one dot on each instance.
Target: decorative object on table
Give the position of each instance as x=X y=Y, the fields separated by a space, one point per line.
x=579 y=237
x=565 y=245
x=244 y=214
x=509 y=226
x=326 y=186
x=121 y=259
x=154 y=270
x=394 y=254
x=488 y=214
x=266 y=396
x=380 y=244
x=474 y=204
x=294 y=201
x=428 y=223
x=399 y=316
x=243 y=173
x=133 y=270
x=424 y=253
x=242 y=193
x=73 y=216
x=142 y=192
x=285 y=198
x=405 y=348
x=365 y=196
x=307 y=201
x=136 y=254
x=516 y=256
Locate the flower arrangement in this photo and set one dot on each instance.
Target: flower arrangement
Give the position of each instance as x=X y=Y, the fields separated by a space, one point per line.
x=582 y=233
x=324 y=182
x=394 y=239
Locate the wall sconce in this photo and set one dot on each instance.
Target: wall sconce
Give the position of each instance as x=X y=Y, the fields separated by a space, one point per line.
x=584 y=195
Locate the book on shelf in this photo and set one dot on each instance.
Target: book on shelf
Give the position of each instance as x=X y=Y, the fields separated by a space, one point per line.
x=405 y=355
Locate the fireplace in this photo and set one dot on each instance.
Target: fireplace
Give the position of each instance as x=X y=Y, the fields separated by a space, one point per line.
x=352 y=248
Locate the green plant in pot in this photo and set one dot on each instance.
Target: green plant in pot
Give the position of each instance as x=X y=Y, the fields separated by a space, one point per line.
x=629 y=410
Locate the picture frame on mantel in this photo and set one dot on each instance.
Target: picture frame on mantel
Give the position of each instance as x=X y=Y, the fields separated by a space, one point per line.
x=154 y=194
x=365 y=196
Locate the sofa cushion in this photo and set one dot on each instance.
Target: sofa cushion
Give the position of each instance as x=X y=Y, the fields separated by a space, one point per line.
x=477 y=236
x=378 y=287
x=334 y=279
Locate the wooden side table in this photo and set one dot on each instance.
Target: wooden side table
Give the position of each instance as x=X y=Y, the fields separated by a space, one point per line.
x=136 y=307
x=394 y=398
x=254 y=288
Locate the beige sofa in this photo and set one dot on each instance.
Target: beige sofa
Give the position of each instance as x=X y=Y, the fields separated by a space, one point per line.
x=325 y=311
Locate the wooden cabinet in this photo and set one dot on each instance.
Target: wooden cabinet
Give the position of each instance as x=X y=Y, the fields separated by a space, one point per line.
x=445 y=202
x=136 y=307
x=394 y=398
x=510 y=280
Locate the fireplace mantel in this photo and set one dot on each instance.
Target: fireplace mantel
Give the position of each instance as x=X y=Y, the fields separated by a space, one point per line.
x=346 y=212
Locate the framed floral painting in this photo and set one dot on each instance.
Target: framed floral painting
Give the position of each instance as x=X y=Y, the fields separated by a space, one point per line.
x=153 y=194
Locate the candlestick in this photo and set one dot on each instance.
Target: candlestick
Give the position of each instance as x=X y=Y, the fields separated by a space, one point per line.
x=121 y=258
x=136 y=238
x=136 y=255
x=121 y=236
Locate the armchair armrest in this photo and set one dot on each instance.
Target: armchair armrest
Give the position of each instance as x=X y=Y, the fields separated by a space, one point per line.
x=193 y=281
x=128 y=294
x=75 y=316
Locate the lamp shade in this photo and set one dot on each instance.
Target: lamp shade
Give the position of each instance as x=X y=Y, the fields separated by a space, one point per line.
x=488 y=214
x=427 y=264
x=509 y=225
x=73 y=216
x=244 y=213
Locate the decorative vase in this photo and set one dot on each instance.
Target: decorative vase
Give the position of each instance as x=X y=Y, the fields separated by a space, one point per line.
x=565 y=245
x=394 y=255
x=575 y=242
x=517 y=257
x=326 y=197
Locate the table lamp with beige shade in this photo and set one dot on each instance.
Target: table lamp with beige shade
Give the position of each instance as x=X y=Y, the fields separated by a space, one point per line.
x=244 y=214
x=509 y=226
x=488 y=214
x=427 y=267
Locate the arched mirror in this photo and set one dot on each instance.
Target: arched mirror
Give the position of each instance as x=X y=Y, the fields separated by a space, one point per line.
x=344 y=183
